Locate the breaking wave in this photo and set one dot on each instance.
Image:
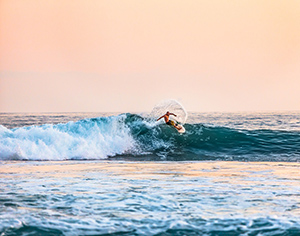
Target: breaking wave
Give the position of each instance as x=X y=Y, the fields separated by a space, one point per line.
x=131 y=136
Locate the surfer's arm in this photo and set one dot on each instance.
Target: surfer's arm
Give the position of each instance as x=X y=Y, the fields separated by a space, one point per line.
x=160 y=118
x=173 y=114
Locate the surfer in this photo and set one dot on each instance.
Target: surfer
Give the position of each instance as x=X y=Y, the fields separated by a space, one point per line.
x=168 y=121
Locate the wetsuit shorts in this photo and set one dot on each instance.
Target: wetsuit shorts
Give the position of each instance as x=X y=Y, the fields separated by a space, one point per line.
x=171 y=122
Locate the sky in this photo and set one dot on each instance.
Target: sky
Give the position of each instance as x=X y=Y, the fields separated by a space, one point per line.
x=126 y=56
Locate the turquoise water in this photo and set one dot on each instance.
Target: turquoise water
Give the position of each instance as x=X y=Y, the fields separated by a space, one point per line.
x=149 y=198
x=239 y=137
x=229 y=174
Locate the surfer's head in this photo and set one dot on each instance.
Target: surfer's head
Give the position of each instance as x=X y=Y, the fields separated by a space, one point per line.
x=168 y=113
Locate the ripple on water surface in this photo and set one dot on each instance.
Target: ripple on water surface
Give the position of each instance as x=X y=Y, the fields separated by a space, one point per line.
x=149 y=198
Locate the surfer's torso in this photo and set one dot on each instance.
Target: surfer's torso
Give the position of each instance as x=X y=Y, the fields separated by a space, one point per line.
x=167 y=118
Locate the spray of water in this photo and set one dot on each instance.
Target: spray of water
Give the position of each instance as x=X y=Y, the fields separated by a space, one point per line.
x=172 y=106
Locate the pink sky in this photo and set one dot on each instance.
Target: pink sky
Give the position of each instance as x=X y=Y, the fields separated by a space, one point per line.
x=125 y=56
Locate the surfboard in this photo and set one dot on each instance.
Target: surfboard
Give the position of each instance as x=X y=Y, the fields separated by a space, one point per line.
x=181 y=130
x=177 y=126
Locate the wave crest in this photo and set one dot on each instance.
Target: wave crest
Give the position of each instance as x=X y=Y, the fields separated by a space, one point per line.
x=132 y=136
x=96 y=138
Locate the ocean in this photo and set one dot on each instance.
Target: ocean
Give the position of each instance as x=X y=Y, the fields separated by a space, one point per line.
x=125 y=174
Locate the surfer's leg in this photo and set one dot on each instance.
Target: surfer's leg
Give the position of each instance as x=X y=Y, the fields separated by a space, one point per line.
x=177 y=127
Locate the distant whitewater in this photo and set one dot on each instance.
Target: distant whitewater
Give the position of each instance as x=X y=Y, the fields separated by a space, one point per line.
x=252 y=137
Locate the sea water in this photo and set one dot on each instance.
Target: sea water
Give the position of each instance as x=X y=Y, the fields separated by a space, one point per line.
x=125 y=174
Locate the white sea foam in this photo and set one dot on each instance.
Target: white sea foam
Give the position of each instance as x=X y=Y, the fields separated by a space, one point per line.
x=86 y=139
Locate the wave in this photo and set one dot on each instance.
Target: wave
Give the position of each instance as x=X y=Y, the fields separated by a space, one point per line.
x=130 y=136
